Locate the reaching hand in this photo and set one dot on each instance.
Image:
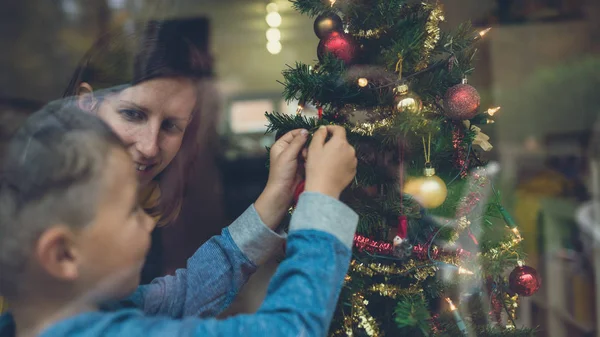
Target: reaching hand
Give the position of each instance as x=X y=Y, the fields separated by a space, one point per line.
x=330 y=165
x=285 y=170
x=284 y=175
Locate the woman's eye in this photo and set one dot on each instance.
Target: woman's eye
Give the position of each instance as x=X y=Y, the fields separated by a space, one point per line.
x=131 y=114
x=170 y=126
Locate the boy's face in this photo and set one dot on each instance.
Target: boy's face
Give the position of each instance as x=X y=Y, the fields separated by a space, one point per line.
x=113 y=249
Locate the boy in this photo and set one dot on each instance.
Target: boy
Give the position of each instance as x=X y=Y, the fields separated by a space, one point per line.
x=72 y=236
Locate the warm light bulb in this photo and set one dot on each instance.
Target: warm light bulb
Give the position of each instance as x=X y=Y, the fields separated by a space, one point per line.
x=332 y=2
x=464 y=271
x=272 y=7
x=518 y=237
x=299 y=109
x=363 y=82
x=452 y=307
x=274 y=47
x=492 y=111
x=273 y=34
x=483 y=32
x=273 y=19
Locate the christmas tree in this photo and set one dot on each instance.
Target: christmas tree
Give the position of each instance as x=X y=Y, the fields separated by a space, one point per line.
x=434 y=245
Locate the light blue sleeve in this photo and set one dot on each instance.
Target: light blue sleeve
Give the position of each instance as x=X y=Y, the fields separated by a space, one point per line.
x=301 y=299
x=214 y=274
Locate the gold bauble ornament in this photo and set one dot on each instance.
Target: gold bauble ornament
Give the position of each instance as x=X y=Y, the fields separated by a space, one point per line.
x=430 y=191
x=406 y=100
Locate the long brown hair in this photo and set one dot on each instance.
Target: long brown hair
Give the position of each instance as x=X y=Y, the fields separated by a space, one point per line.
x=172 y=48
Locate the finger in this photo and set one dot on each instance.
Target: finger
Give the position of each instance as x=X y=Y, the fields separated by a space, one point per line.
x=337 y=132
x=318 y=138
x=284 y=141
x=289 y=136
x=293 y=149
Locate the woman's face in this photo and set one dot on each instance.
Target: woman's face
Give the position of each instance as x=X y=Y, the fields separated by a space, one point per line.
x=151 y=119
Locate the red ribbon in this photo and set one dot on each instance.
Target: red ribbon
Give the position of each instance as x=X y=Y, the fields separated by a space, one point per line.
x=363 y=243
x=472 y=236
x=320 y=111
x=402 y=227
x=298 y=191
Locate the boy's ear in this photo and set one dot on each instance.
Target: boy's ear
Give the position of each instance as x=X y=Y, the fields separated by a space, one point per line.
x=85 y=97
x=56 y=253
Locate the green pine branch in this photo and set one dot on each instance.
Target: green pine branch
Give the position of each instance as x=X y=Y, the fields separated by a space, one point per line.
x=412 y=312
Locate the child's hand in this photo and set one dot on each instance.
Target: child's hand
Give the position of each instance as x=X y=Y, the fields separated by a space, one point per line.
x=284 y=175
x=330 y=165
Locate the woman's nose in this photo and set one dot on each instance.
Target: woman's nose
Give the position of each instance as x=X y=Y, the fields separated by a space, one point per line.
x=147 y=142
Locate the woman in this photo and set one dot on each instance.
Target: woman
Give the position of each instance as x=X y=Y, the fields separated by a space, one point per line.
x=154 y=91
x=153 y=87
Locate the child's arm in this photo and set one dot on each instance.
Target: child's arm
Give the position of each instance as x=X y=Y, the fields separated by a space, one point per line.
x=214 y=274
x=219 y=268
x=301 y=298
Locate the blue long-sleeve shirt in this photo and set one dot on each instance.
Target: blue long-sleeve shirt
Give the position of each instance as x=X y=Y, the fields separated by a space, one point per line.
x=300 y=300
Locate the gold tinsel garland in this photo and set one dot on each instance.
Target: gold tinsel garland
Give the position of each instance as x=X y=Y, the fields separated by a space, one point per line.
x=369 y=128
x=511 y=303
x=436 y=15
x=461 y=224
x=393 y=291
x=419 y=270
x=505 y=247
x=362 y=317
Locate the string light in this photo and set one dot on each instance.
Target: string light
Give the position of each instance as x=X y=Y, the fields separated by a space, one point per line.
x=459 y=321
x=452 y=307
x=518 y=238
x=332 y=2
x=299 y=109
x=272 y=7
x=273 y=19
x=492 y=111
x=273 y=34
x=363 y=82
x=464 y=271
x=482 y=33
x=274 y=47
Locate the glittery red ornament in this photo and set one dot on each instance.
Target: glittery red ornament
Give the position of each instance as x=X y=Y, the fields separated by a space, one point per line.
x=461 y=102
x=341 y=45
x=460 y=153
x=524 y=281
x=298 y=191
x=496 y=312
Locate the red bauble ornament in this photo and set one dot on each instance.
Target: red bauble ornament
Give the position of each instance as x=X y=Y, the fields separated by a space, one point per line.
x=341 y=45
x=298 y=191
x=461 y=102
x=524 y=281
